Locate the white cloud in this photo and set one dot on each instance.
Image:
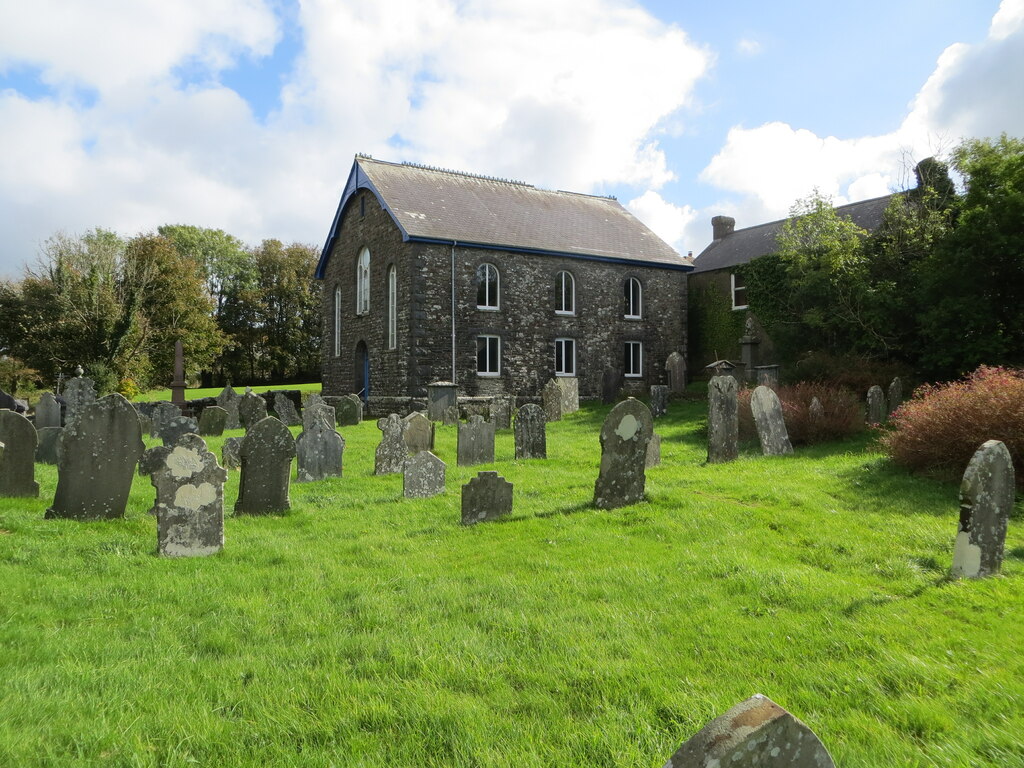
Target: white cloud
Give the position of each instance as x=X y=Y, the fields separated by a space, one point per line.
x=748 y=47
x=667 y=220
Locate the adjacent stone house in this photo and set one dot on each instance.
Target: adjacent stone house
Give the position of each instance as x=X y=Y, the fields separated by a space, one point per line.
x=433 y=275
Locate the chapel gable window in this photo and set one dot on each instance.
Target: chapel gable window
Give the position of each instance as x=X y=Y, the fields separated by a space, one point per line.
x=363 y=282
x=633 y=298
x=565 y=294
x=487 y=287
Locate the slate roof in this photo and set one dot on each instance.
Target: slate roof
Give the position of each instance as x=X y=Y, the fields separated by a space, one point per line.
x=742 y=245
x=435 y=205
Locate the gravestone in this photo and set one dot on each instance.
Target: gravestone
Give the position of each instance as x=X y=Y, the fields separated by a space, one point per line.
x=161 y=415
x=625 y=435
x=418 y=433
x=231 y=453
x=501 y=412
x=552 y=397
x=285 y=410
x=189 y=505
x=653 y=458
x=986 y=501
x=320 y=450
x=18 y=467
x=348 y=409
x=228 y=400
x=476 y=442
x=423 y=476
x=391 y=451
x=318 y=411
x=569 y=386
x=723 y=420
x=145 y=421
x=266 y=453
x=767 y=376
x=675 y=368
x=877 y=411
x=487 y=496
x=47 y=411
x=174 y=428
x=531 y=432
x=659 y=400
x=79 y=393
x=895 y=394
x=441 y=395
x=99 y=450
x=771 y=426
x=816 y=411
x=756 y=732
x=252 y=409
x=451 y=416
x=48 y=447
x=212 y=421
x=611 y=383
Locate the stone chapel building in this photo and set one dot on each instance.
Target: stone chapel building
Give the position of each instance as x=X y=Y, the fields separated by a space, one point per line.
x=434 y=275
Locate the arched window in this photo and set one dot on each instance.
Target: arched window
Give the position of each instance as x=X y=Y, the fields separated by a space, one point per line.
x=363 y=282
x=392 y=308
x=565 y=294
x=487 y=287
x=633 y=296
x=337 y=321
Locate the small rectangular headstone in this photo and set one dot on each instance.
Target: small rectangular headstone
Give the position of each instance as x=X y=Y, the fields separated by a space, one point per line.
x=212 y=421
x=487 y=496
x=531 y=432
x=476 y=442
x=441 y=395
x=552 y=398
x=659 y=400
x=423 y=476
x=878 y=412
x=320 y=450
x=723 y=419
x=653 y=451
x=419 y=433
x=18 y=469
x=267 y=451
x=47 y=412
x=228 y=400
x=675 y=369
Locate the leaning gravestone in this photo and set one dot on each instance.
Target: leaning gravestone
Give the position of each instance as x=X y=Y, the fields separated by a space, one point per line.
x=18 y=469
x=228 y=400
x=79 y=392
x=267 y=451
x=174 y=428
x=986 y=500
x=531 y=433
x=320 y=450
x=476 y=442
x=552 y=396
x=161 y=414
x=675 y=368
x=755 y=733
x=391 y=451
x=189 y=505
x=771 y=426
x=895 y=394
x=419 y=433
x=231 y=452
x=487 y=496
x=48 y=447
x=423 y=476
x=349 y=410
x=98 y=453
x=624 y=438
x=212 y=421
x=285 y=410
x=659 y=400
x=723 y=420
x=877 y=411
x=653 y=458
x=252 y=409
x=47 y=411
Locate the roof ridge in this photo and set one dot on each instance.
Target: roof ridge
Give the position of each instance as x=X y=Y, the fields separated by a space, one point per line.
x=836 y=208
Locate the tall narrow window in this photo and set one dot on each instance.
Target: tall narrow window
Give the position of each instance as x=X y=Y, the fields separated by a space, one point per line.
x=392 y=308
x=337 y=321
x=487 y=287
x=565 y=357
x=739 y=291
x=488 y=355
x=363 y=282
x=565 y=294
x=633 y=360
x=633 y=296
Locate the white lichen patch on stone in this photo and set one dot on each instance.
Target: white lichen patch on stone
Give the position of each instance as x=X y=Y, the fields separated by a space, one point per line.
x=628 y=427
x=184 y=462
x=191 y=497
x=966 y=556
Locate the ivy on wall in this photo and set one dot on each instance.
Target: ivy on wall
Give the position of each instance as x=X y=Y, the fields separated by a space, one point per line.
x=714 y=327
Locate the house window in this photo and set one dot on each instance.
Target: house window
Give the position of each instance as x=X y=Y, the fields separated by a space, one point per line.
x=565 y=357
x=633 y=295
x=488 y=355
x=565 y=293
x=739 y=291
x=392 y=308
x=363 y=282
x=337 y=321
x=633 y=359
x=487 y=286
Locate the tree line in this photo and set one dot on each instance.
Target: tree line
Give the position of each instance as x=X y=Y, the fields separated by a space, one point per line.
x=116 y=305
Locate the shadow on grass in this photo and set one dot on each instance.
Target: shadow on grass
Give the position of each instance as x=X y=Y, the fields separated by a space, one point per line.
x=876 y=600
x=879 y=482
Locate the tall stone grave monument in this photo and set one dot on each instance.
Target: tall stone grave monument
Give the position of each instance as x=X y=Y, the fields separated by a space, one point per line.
x=47 y=412
x=659 y=400
x=423 y=476
x=986 y=501
x=675 y=369
x=531 y=432
x=18 y=468
x=285 y=410
x=213 y=421
x=878 y=412
x=418 y=433
x=266 y=454
x=252 y=409
x=79 y=392
x=391 y=451
x=476 y=442
x=624 y=437
x=320 y=450
x=228 y=400
x=723 y=420
x=487 y=496
x=99 y=451
x=771 y=426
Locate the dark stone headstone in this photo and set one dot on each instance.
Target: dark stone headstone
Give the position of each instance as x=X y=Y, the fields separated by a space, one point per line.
x=767 y=376
x=213 y=421
x=228 y=400
x=771 y=426
x=675 y=369
x=611 y=383
x=624 y=437
x=320 y=450
x=501 y=412
x=723 y=420
x=285 y=410
x=441 y=395
x=391 y=451
x=419 y=433
x=79 y=393
x=423 y=476
x=878 y=413
x=48 y=447
x=173 y=429
x=231 y=453
x=451 y=416
x=160 y=415
x=986 y=501
x=252 y=409
x=895 y=394
x=476 y=442
x=487 y=496
x=531 y=432
x=47 y=411
x=18 y=467
x=347 y=409
x=267 y=451
x=552 y=397
x=659 y=400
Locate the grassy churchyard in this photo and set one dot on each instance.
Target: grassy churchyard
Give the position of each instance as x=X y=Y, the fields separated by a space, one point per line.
x=364 y=629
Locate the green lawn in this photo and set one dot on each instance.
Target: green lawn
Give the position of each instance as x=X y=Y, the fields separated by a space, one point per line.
x=363 y=629
x=196 y=394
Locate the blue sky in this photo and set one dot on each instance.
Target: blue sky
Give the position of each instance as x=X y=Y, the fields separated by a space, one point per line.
x=244 y=115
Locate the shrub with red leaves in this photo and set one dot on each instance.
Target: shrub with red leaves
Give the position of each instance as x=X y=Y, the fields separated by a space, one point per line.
x=939 y=429
x=842 y=413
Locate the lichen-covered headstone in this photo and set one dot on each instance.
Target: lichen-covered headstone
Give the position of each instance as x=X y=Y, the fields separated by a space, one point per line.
x=625 y=435
x=285 y=410
x=450 y=417
x=878 y=412
x=569 y=386
x=531 y=432
x=423 y=476
x=756 y=733
x=213 y=421
x=986 y=500
x=160 y=415
x=320 y=450
x=228 y=400
x=99 y=451
x=189 y=505
x=768 y=418
x=659 y=400
x=487 y=496
x=252 y=409
x=675 y=368
x=318 y=411
x=476 y=442
x=18 y=467
x=552 y=397
x=391 y=451
x=79 y=393
x=895 y=394
x=48 y=447
x=231 y=453
x=653 y=458
x=47 y=411
x=266 y=453
x=419 y=433
x=174 y=428
x=501 y=412
x=723 y=420
x=348 y=409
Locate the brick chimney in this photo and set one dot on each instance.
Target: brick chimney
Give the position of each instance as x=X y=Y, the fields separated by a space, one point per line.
x=722 y=226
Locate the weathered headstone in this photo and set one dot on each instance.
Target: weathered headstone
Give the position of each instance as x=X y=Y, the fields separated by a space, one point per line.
x=320 y=450
x=675 y=368
x=552 y=397
x=771 y=426
x=173 y=429
x=756 y=733
x=419 y=433
x=501 y=412
x=487 y=496
x=877 y=411
x=659 y=400
x=531 y=432
x=653 y=458
x=768 y=376
x=228 y=400
x=285 y=410
x=815 y=411
x=47 y=411
x=212 y=421
x=267 y=451
x=423 y=476
x=252 y=409
x=441 y=395
x=48 y=447
x=161 y=415
x=723 y=420
x=476 y=442
x=99 y=451
x=451 y=416
x=391 y=452
x=231 y=452
x=569 y=386
x=189 y=505
x=895 y=393
x=986 y=501
x=349 y=410
x=318 y=411
x=18 y=467
x=78 y=393
x=624 y=437
x=145 y=421
x=611 y=383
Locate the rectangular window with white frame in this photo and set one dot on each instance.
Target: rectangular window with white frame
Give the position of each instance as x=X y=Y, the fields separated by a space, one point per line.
x=565 y=357
x=739 y=291
x=633 y=359
x=488 y=355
